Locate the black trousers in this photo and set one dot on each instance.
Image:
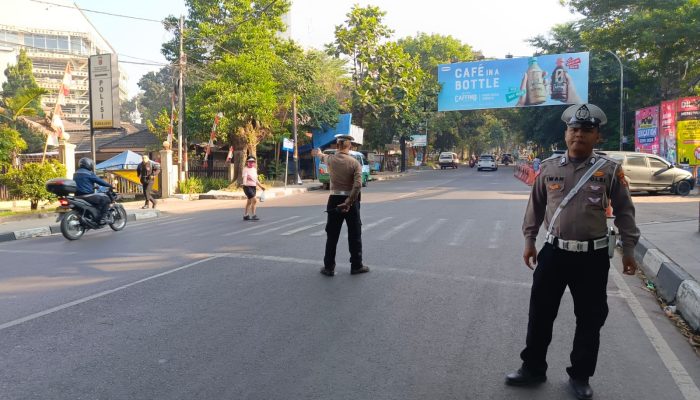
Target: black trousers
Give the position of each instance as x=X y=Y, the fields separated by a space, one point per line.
x=586 y=275
x=148 y=191
x=99 y=200
x=334 y=224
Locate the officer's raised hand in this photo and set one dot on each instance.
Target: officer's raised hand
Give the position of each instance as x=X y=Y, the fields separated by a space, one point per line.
x=629 y=265
x=530 y=255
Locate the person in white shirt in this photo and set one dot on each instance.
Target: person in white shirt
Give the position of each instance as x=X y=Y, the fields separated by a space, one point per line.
x=250 y=184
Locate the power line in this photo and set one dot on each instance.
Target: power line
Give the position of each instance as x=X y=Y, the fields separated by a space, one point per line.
x=98 y=12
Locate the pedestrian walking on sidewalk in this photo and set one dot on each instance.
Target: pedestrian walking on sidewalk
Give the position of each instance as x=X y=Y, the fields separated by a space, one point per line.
x=570 y=196
x=250 y=185
x=147 y=171
x=343 y=205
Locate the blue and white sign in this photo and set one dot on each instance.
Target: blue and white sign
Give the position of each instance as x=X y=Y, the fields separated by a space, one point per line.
x=546 y=80
x=287 y=144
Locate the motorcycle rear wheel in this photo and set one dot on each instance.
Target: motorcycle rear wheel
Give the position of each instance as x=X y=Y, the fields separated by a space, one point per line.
x=119 y=218
x=71 y=228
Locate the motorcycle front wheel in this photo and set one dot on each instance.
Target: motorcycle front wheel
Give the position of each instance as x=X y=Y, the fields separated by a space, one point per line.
x=71 y=228
x=119 y=214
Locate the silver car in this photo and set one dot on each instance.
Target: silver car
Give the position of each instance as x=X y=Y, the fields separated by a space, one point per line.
x=651 y=173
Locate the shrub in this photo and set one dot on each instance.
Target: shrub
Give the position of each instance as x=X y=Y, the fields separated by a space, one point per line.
x=30 y=181
x=261 y=179
x=191 y=186
x=214 y=184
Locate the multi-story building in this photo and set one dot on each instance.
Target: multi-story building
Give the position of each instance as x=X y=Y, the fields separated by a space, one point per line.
x=54 y=33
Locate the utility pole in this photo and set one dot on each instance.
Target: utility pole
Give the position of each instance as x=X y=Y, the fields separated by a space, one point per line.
x=296 y=146
x=181 y=108
x=622 y=88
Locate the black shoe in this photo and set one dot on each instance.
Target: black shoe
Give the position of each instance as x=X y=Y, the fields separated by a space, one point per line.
x=254 y=218
x=582 y=390
x=361 y=270
x=523 y=377
x=246 y=218
x=327 y=272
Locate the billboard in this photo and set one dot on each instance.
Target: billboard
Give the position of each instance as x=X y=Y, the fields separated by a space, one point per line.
x=688 y=128
x=546 y=80
x=646 y=130
x=104 y=91
x=667 y=131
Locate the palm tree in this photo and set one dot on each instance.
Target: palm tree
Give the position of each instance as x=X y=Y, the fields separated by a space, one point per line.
x=16 y=110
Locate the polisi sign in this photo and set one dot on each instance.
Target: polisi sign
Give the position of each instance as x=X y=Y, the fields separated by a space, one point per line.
x=104 y=91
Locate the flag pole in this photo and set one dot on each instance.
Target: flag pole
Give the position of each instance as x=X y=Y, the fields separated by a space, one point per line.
x=56 y=109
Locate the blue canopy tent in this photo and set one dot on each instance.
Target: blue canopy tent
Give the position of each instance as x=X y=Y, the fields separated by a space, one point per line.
x=324 y=137
x=125 y=160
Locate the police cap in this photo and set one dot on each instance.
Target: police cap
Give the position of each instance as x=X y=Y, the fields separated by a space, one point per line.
x=345 y=138
x=584 y=116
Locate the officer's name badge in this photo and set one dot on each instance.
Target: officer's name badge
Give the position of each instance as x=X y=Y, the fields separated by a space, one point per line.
x=599 y=173
x=554 y=186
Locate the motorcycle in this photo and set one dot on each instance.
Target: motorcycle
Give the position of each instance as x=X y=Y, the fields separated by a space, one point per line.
x=77 y=216
x=472 y=163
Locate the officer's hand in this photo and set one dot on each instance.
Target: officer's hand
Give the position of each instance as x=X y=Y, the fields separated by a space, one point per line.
x=530 y=256
x=343 y=207
x=629 y=265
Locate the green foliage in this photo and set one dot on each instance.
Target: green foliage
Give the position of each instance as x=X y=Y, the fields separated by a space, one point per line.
x=275 y=170
x=20 y=104
x=20 y=76
x=157 y=93
x=214 y=184
x=11 y=143
x=29 y=182
x=262 y=179
x=192 y=185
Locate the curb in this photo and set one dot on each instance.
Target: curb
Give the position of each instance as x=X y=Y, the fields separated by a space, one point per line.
x=271 y=194
x=55 y=228
x=673 y=283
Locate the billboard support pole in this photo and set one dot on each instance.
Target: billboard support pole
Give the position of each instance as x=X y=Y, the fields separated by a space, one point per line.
x=622 y=88
x=92 y=118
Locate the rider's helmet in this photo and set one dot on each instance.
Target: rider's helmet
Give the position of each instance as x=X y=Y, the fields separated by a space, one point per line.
x=86 y=163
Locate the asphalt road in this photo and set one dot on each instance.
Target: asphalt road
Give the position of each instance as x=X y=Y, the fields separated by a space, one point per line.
x=207 y=306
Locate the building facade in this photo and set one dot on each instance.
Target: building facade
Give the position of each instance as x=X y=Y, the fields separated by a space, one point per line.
x=54 y=35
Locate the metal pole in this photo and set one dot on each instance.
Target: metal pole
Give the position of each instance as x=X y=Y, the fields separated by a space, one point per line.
x=92 y=119
x=296 y=147
x=180 y=113
x=622 y=88
x=286 y=169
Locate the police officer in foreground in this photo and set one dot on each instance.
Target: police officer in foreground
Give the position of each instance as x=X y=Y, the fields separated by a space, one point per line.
x=575 y=252
x=343 y=205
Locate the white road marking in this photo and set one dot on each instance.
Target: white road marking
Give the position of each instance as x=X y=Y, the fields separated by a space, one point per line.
x=461 y=234
x=684 y=382
x=493 y=242
x=319 y=233
x=100 y=294
x=257 y=225
x=369 y=226
x=397 y=228
x=281 y=227
x=303 y=228
x=431 y=229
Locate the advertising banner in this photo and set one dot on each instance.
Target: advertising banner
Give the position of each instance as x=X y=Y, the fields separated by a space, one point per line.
x=646 y=130
x=688 y=128
x=104 y=91
x=667 y=132
x=545 y=80
x=419 y=140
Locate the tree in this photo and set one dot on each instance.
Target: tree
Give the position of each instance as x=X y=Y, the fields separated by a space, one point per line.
x=157 y=93
x=20 y=76
x=11 y=143
x=13 y=119
x=29 y=182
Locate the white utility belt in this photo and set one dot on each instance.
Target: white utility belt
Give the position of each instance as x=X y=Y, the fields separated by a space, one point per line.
x=340 y=193
x=576 y=245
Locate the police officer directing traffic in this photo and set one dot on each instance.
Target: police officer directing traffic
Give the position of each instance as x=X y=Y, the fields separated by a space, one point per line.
x=575 y=252
x=343 y=205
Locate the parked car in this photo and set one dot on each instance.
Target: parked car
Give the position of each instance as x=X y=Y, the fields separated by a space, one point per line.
x=448 y=159
x=487 y=161
x=651 y=173
x=324 y=177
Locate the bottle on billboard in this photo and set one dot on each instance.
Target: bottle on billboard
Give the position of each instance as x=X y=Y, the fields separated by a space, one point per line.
x=536 y=90
x=559 y=84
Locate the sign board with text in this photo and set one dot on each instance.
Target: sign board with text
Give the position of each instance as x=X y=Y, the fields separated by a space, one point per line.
x=546 y=80
x=287 y=144
x=104 y=91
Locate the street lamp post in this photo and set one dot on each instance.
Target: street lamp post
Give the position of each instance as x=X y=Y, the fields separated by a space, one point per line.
x=622 y=87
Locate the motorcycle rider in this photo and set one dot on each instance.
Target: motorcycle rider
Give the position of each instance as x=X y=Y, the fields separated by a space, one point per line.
x=85 y=181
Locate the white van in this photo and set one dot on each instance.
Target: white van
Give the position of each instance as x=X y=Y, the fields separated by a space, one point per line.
x=448 y=159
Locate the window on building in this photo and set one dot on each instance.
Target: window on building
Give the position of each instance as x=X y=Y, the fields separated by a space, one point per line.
x=63 y=44
x=75 y=46
x=29 y=39
x=51 y=42
x=40 y=41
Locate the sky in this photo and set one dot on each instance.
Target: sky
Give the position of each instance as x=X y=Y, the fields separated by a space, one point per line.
x=495 y=27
